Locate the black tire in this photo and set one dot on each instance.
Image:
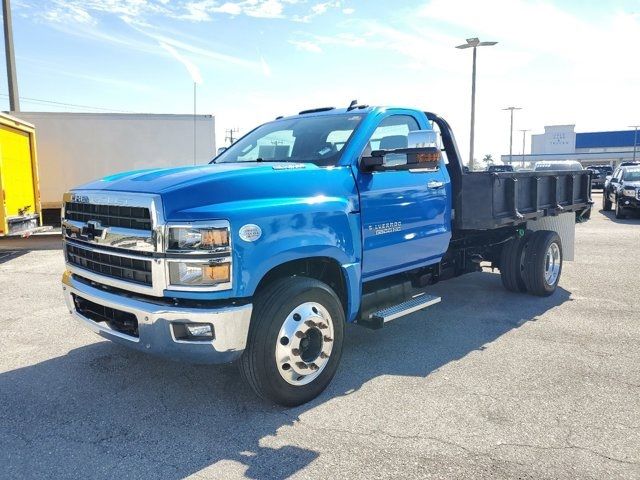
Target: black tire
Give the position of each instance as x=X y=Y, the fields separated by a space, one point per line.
x=619 y=211
x=271 y=307
x=606 y=203
x=536 y=263
x=586 y=213
x=512 y=265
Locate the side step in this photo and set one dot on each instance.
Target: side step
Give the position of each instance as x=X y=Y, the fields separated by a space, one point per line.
x=377 y=319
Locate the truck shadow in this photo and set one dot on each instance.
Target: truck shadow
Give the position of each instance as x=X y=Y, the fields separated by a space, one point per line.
x=102 y=411
x=8 y=255
x=631 y=218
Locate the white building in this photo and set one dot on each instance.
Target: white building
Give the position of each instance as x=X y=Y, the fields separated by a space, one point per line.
x=562 y=142
x=75 y=148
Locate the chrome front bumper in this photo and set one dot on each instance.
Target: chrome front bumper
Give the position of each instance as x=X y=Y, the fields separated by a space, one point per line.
x=230 y=324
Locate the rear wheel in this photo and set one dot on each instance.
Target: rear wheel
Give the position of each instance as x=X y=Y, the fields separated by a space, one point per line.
x=295 y=341
x=512 y=264
x=543 y=263
x=606 y=203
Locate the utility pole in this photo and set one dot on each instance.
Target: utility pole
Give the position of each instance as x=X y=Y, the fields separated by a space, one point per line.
x=194 y=123
x=635 y=139
x=12 y=80
x=229 y=135
x=524 y=133
x=511 y=132
x=473 y=43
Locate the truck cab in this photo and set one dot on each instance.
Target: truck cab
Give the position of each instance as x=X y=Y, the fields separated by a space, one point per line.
x=328 y=217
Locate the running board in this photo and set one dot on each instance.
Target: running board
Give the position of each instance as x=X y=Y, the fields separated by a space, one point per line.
x=377 y=319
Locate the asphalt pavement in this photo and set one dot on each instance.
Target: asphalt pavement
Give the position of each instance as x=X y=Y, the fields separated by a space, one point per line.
x=486 y=384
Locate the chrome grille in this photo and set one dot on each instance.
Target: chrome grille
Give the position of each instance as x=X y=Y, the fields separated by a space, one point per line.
x=115 y=266
x=112 y=238
x=136 y=218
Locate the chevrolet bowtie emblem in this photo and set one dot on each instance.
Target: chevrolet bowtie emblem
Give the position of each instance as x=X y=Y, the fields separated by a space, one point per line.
x=92 y=230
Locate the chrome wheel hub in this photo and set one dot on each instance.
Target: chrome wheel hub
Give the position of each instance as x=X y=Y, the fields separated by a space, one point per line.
x=552 y=264
x=304 y=343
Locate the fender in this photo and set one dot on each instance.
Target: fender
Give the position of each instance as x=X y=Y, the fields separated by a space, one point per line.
x=292 y=228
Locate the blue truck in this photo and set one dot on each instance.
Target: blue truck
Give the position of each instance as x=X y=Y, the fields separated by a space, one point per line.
x=306 y=223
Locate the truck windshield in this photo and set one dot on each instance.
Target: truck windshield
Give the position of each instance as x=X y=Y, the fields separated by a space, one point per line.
x=631 y=175
x=314 y=139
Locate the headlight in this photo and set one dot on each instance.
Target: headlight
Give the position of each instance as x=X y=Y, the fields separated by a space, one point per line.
x=197 y=239
x=199 y=256
x=199 y=274
x=629 y=192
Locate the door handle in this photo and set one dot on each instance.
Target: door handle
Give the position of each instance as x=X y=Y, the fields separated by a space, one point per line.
x=435 y=185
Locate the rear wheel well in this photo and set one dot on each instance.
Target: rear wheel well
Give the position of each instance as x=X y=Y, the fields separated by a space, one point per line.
x=325 y=269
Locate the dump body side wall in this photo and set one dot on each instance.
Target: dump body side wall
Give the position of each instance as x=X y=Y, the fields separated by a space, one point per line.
x=493 y=200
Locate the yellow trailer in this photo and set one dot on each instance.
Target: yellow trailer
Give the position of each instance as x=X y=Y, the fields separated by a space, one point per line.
x=20 y=212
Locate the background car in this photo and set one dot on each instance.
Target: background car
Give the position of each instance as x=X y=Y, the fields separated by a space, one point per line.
x=599 y=174
x=623 y=189
x=559 y=165
x=500 y=168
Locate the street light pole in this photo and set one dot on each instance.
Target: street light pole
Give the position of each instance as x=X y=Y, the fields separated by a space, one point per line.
x=12 y=80
x=635 y=139
x=473 y=43
x=511 y=132
x=473 y=110
x=524 y=134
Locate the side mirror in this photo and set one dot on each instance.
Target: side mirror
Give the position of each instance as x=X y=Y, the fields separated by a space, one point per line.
x=421 y=139
x=422 y=153
x=373 y=162
x=221 y=150
x=426 y=158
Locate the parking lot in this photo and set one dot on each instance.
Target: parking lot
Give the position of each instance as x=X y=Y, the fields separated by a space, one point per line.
x=486 y=384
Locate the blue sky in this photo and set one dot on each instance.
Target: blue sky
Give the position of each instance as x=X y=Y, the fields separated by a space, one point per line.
x=563 y=62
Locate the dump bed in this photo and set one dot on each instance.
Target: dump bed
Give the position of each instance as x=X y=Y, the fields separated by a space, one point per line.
x=489 y=200
x=493 y=200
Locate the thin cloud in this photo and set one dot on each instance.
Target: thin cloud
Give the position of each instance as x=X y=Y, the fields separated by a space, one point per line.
x=193 y=70
x=88 y=11
x=53 y=69
x=192 y=49
x=306 y=46
x=266 y=69
x=202 y=10
x=317 y=10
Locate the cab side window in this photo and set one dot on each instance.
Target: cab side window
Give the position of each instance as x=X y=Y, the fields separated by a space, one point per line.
x=392 y=133
x=617 y=175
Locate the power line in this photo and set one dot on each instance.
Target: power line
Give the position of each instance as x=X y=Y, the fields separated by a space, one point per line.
x=63 y=104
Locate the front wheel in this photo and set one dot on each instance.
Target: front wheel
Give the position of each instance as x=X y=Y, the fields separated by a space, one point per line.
x=543 y=263
x=295 y=341
x=619 y=210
